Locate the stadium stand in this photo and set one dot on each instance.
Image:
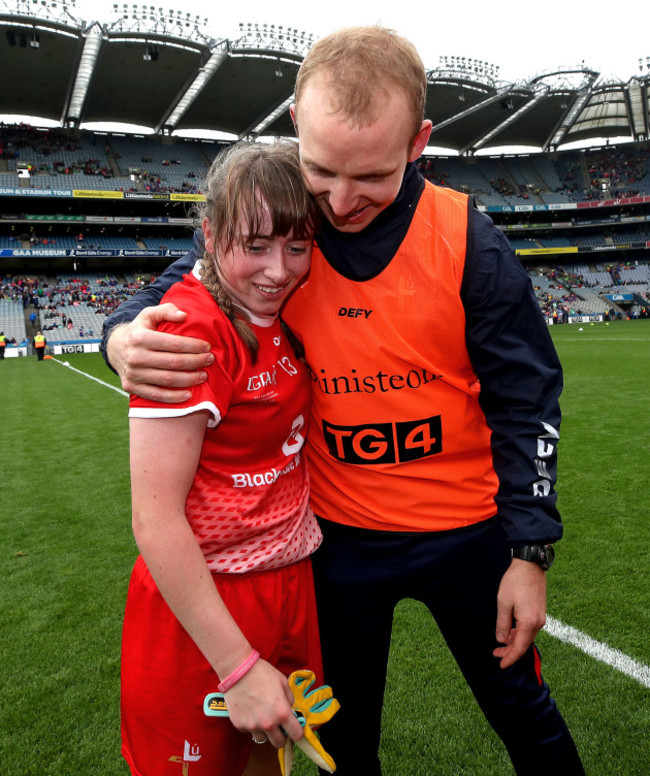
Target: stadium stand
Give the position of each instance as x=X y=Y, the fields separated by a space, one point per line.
x=70 y=309
x=103 y=163
x=79 y=202
x=177 y=243
x=12 y=320
x=177 y=167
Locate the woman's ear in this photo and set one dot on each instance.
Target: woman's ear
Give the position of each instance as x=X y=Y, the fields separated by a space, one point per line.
x=208 y=236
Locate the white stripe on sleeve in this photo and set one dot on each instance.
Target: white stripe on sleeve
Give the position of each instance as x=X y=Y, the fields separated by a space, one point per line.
x=169 y=411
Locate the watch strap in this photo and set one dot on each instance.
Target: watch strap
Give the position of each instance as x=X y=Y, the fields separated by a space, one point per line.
x=541 y=554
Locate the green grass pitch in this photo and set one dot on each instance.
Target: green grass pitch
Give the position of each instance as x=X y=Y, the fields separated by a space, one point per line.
x=66 y=552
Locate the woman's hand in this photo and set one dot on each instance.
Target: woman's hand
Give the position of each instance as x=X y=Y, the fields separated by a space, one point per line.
x=260 y=704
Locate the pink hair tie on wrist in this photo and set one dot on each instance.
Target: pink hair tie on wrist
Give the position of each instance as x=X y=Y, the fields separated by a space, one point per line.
x=239 y=672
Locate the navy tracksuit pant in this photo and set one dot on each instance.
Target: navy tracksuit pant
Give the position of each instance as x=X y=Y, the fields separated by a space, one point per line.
x=360 y=577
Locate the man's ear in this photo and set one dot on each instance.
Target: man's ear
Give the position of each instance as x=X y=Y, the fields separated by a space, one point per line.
x=420 y=140
x=292 y=111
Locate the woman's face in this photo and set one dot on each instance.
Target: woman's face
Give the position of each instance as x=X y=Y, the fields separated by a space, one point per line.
x=261 y=273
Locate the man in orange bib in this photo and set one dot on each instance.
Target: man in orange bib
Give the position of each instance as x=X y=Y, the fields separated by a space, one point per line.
x=435 y=420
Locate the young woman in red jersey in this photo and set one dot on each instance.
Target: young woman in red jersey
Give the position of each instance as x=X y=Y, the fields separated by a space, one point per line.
x=221 y=595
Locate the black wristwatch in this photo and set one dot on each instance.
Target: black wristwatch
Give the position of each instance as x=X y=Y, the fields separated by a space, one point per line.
x=542 y=554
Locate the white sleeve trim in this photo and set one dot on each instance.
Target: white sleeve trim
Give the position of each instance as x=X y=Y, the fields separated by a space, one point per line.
x=167 y=411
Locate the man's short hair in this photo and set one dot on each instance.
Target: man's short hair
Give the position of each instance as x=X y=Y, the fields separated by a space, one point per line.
x=362 y=64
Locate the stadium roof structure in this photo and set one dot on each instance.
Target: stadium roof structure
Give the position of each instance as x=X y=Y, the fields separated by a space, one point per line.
x=161 y=69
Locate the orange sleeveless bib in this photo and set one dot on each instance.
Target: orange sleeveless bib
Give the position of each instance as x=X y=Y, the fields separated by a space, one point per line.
x=397 y=439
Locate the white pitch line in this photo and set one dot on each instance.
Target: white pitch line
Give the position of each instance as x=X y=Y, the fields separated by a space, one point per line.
x=90 y=377
x=604 y=339
x=599 y=651
x=565 y=633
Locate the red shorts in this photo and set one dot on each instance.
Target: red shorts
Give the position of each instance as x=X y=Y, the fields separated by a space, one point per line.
x=165 y=676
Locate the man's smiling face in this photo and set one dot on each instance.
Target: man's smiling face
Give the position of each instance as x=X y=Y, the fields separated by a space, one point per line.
x=354 y=172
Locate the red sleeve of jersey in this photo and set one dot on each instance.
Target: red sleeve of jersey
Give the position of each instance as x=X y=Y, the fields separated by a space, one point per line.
x=204 y=321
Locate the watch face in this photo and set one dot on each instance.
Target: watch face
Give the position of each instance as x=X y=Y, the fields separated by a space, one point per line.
x=547 y=556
